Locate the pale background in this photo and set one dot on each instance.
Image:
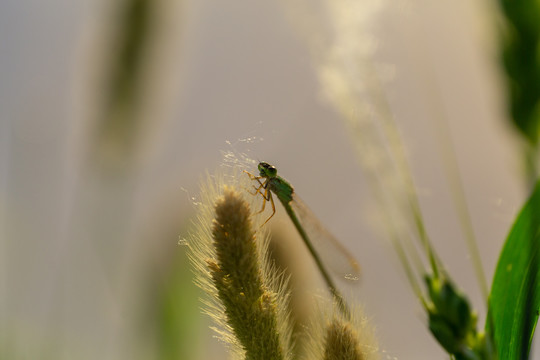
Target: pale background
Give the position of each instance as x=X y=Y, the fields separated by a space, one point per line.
x=76 y=246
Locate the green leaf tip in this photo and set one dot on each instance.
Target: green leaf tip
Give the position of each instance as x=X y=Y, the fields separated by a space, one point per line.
x=515 y=292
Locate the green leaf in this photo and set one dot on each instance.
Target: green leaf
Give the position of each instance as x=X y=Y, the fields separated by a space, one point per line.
x=515 y=292
x=521 y=63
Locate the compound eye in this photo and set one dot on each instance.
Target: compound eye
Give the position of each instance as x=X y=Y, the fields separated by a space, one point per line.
x=266 y=169
x=262 y=166
x=272 y=171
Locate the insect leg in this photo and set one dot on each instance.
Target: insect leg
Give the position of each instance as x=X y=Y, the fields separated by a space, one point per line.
x=253 y=177
x=261 y=185
x=257 y=189
x=271 y=199
x=265 y=196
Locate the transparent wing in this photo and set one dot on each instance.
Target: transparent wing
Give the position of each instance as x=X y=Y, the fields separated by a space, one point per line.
x=333 y=254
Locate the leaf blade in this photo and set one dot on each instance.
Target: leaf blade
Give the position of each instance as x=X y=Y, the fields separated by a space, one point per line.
x=515 y=292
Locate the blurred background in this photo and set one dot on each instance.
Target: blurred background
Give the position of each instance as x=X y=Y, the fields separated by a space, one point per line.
x=111 y=112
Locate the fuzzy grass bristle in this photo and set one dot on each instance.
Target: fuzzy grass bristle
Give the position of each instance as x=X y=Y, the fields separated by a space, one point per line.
x=246 y=296
x=336 y=337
